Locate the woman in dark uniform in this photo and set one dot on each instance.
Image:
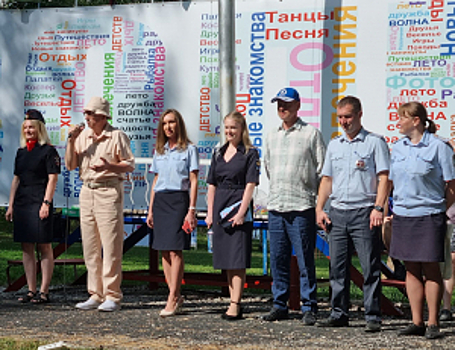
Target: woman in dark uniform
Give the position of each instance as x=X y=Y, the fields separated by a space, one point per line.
x=233 y=175
x=176 y=166
x=36 y=170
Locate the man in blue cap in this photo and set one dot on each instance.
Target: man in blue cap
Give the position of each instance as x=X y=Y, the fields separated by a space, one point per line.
x=293 y=159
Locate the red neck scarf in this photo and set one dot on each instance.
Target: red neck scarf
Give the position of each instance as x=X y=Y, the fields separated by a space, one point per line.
x=31 y=144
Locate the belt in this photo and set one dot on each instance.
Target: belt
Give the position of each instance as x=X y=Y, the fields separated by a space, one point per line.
x=95 y=185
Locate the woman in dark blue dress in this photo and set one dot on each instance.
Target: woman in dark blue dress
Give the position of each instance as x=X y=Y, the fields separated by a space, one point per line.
x=36 y=170
x=233 y=175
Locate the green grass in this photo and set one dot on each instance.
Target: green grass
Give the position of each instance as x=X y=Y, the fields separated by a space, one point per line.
x=12 y=344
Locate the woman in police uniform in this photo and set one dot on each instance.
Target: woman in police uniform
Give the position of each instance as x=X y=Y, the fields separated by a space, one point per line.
x=36 y=170
x=423 y=178
x=233 y=175
x=176 y=167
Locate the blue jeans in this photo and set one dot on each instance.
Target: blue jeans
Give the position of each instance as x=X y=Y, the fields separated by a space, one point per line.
x=287 y=230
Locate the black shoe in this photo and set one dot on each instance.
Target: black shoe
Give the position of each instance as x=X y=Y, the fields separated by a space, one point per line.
x=445 y=315
x=433 y=332
x=276 y=314
x=334 y=322
x=309 y=318
x=373 y=326
x=227 y=317
x=412 y=330
x=239 y=316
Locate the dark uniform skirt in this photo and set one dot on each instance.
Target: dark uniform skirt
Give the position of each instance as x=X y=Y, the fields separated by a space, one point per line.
x=28 y=227
x=169 y=211
x=231 y=246
x=418 y=239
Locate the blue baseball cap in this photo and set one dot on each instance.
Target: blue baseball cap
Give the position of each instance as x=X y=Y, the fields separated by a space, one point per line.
x=287 y=95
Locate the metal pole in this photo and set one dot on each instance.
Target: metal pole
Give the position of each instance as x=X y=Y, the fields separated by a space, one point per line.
x=226 y=34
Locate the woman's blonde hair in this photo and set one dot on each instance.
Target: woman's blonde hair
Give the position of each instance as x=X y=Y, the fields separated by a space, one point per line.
x=416 y=109
x=43 y=137
x=240 y=119
x=182 y=136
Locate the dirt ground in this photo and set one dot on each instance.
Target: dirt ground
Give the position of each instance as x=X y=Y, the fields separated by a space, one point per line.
x=138 y=326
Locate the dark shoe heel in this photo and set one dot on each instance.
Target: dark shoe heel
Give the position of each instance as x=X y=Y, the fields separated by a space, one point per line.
x=412 y=329
x=239 y=316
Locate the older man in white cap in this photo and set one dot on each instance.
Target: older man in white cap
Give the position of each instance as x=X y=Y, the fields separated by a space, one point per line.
x=103 y=155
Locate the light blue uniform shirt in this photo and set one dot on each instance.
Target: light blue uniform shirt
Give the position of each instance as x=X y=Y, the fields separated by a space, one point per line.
x=419 y=174
x=353 y=166
x=173 y=168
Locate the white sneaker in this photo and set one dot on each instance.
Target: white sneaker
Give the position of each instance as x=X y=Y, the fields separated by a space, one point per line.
x=89 y=304
x=109 y=306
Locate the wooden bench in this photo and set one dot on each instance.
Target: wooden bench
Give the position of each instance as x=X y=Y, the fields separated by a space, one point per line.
x=64 y=262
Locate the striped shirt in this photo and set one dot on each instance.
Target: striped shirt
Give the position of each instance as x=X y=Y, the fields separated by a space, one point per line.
x=293 y=161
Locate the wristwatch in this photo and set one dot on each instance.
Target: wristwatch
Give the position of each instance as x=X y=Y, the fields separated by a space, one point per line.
x=47 y=202
x=379 y=208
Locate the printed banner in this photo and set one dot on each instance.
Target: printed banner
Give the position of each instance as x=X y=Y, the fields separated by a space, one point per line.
x=145 y=58
x=420 y=66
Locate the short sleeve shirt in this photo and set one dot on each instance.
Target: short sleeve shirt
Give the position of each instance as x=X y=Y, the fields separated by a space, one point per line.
x=419 y=173
x=293 y=160
x=174 y=167
x=353 y=166
x=33 y=167
x=112 y=145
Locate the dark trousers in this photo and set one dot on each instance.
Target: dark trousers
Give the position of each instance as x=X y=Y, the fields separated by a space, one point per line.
x=351 y=229
x=295 y=229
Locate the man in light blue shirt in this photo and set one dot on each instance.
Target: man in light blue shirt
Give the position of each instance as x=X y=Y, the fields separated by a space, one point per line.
x=355 y=178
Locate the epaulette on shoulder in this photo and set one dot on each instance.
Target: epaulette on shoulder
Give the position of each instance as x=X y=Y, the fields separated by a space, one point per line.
x=376 y=135
x=443 y=139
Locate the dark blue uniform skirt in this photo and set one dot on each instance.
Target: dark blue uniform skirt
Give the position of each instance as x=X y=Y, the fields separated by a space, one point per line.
x=231 y=247
x=28 y=227
x=418 y=239
x=169 y=211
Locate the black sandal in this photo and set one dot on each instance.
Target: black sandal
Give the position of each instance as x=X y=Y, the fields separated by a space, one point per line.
x=41 y=298
x=27 y=297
